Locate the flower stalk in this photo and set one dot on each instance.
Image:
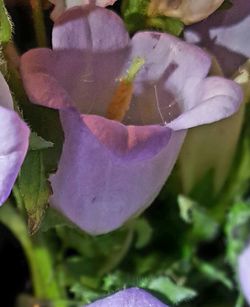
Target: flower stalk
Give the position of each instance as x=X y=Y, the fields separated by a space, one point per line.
x=39 y=26
x=39 y=257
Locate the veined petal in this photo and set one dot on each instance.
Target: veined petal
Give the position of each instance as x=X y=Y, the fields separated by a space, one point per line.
x=165 y=86
x=94 y=62
x=82 y=28
x=41 y=80
x=133 y=297
x=87 y=84
x=108 y=172
x=220 y=98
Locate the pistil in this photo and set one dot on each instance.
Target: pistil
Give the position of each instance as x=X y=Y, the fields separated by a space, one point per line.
x=122 y=97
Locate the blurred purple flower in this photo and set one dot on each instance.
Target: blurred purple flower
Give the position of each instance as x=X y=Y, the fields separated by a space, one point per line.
x=244 y=272
x=14 y=140
x=111 y=171
x=226 y=35
x=133 y=297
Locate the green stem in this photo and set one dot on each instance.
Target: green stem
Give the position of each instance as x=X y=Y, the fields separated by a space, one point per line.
x=240 y=301
x=39 y=25
x=38 y=255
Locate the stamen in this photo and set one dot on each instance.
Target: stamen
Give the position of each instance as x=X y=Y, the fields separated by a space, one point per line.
x=121 y=100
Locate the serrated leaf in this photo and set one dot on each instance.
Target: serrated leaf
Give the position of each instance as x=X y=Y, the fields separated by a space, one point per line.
x=37 y=143
x=34 y=189
x=174 y=293
x=5 y=24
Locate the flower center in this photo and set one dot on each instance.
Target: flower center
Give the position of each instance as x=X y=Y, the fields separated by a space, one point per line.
x=122 y=97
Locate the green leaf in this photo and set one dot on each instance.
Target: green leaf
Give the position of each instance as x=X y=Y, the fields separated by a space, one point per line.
x=204 y=227
x=173 y=292
x=54 y=219
x=143 y=232
x=237 y=230
x=131 y=6
x=212 y=273
x=5 y=24
x=83 y=294
x=135 y=14
x=37 y=143
x=166 y=24
x=136 y=17
x=33 y=188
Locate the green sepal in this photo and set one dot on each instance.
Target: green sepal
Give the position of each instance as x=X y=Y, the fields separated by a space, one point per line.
x=32 y=189
x=5 y=24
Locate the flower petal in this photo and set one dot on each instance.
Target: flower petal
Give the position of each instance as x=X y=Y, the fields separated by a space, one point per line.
x=14 y=139
x=101 y=3
x=61 y=5
x=82 y=28
x=219 y=98
x=189 y=11
x=133 y=297
x=41 y=78
x=87 y=84
x=5 y=96
x=226 y=35
x=168 y=78
x=93 y=61
x=109 y=172
x=244 y=272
